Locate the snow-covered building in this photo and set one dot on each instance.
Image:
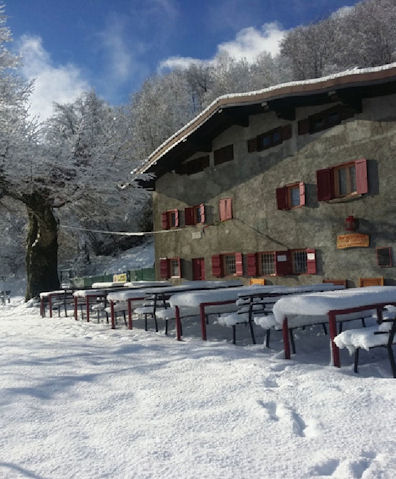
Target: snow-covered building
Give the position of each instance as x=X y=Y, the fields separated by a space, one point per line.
x=284 y=183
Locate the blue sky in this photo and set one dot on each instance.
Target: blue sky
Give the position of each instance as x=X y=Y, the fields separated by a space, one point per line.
x=113 y=45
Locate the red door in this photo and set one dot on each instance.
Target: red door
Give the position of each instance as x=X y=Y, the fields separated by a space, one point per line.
x=198 y=266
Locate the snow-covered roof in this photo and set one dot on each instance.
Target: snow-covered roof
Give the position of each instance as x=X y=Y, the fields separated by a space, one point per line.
x=349 y=78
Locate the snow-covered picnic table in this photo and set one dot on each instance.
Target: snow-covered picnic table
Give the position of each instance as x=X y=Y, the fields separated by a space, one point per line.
x=159 y=295
x=331 y=306
x=50 y=296
x=193 y=303
x=103 y=292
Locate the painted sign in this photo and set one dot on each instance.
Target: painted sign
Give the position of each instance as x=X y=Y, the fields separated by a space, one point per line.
x=119 y=278
x=353 y=240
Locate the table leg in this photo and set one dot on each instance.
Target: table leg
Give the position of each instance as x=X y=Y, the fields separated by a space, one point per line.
x=75 y=308
x=333 y=333
x=129 y=314
x=203 y=321
x=286 y=341
x=42 y=310
x=112 y=315
x=87 y=307
x=178 y=325
x=50 y=305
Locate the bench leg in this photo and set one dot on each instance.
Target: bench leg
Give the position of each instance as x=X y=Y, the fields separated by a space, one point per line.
x=292 y=341
x=267 y=338
x=324 y=328
x=233 y=334
x=252 y=332
x=285 y=334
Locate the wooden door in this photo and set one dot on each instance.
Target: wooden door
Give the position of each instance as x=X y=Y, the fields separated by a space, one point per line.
x=198 y=267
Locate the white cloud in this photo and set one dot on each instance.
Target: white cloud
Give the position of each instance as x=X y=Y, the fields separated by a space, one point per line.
x=60 y=84
x=249 y=43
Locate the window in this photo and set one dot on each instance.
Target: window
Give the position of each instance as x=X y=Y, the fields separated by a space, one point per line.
x=170 y=268
x=299 y=261
x=325 y=119
x=225 y=209
x=290 y=196
x=170 y=219
x=270 y=138
x=282 y=263
x=344 y=180
x=194 y=215
x=227 y=264
x=266 y=263
x=193 y=166
x=348 y=179
x=223 y=154
x=384 y=257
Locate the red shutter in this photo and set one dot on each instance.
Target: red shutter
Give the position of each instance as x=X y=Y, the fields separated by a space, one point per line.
x=302 y=193
x=238 y=264
x=303 y=127
x=176 y=218
x=228 y=208
x=311 y=261
x=361 y=176
x=164 y=268
x=251 y=264
x=179 y=265
x=217 y=266
x=282 y=263
x=281 y=198
x=202 y=212
x=325 y=184
x=252 y=145
x=189 y=218
x=164 y=221
x=286 y=132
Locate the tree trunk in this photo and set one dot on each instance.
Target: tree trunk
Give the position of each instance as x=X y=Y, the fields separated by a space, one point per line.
x=41 y=247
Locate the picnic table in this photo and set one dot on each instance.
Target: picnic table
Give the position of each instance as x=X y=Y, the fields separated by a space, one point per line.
x=159 y=295
x=331 y=306
x=207 y=302
x=50 y=296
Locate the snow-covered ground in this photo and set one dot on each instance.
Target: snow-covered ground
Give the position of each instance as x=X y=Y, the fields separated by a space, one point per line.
x=82 y=401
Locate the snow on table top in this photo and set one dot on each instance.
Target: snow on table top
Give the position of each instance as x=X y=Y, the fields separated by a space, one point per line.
x=196 y=285
x=319 y=304
x=104 y=284
x=124 y=295
x=274 y=289
x=194 y=298
x=142 y=284
x=46 y=294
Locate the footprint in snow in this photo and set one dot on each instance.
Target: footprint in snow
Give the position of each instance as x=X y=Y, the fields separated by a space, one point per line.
x=288 y=416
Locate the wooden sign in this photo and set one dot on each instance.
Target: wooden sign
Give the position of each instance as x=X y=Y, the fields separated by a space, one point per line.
x=353 y=240
x=119 y=278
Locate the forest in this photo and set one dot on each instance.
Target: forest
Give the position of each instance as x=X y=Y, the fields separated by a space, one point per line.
x=72 y=169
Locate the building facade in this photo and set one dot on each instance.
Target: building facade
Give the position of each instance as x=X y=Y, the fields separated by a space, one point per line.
x=294 y=184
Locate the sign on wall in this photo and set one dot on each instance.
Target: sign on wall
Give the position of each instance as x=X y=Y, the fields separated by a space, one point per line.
x=119 y=278
x=353 y=240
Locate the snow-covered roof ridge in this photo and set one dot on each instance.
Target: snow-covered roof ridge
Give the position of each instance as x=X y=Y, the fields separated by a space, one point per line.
x=223 y=101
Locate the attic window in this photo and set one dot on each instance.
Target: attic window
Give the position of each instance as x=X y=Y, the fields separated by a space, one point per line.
x=223 y=154
x=193 y=166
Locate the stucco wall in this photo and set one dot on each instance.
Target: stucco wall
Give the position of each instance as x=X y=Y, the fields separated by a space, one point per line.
x=252 y=178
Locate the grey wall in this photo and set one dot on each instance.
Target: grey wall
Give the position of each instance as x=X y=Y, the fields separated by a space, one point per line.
x=252 y=178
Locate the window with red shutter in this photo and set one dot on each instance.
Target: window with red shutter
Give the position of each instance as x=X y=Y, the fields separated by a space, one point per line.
x=341 y=181
x=252 y=145
x=251 y=259
x=223 y=154
x=290 y=196
x=217 y=266
x=384 y=257
x=175 y=267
